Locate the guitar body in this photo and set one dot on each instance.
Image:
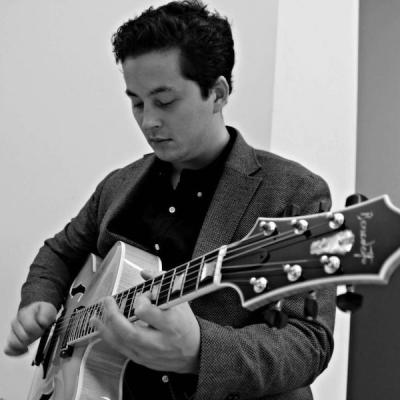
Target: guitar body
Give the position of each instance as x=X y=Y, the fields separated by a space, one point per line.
x=93 y=370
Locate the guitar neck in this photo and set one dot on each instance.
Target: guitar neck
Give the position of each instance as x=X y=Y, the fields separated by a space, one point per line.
x=183 y=283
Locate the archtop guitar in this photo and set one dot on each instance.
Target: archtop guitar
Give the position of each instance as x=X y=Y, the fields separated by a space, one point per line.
x=278 y=258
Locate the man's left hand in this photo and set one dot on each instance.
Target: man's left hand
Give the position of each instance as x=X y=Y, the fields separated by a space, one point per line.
x=164 y=340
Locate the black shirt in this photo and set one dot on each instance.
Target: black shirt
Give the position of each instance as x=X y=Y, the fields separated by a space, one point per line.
x=166 y=222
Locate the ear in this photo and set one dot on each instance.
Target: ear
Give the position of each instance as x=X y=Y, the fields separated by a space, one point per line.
x=221 y=94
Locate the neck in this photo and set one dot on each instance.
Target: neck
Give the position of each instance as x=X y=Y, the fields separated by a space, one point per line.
x=203 y=160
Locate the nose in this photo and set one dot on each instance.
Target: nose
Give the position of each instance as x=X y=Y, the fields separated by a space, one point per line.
x=150 y=119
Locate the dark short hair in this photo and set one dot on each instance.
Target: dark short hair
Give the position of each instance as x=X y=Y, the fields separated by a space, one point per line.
x=203 y=38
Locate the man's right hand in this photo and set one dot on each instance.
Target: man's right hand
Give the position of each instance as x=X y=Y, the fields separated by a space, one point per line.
x=29 y=324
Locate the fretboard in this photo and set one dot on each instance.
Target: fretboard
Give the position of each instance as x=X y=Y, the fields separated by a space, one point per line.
x=175 y=285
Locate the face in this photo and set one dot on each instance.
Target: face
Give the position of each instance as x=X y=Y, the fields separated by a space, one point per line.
x=176 y=121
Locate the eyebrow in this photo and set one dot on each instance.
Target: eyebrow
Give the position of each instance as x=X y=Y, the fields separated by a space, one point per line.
x=161 y=89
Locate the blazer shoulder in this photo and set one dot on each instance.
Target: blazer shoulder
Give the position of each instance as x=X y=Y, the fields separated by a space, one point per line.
x=120 y=175
x=119 y=179
x=273 y=165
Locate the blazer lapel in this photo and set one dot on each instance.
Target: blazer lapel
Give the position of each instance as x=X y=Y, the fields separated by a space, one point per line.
x=128 y=190
x=231 y=199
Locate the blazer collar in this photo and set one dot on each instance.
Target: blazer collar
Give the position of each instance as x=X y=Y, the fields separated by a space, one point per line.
x=234 y=192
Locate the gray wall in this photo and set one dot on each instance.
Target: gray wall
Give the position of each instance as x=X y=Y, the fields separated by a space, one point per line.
x=378 y=138
x=374 y=358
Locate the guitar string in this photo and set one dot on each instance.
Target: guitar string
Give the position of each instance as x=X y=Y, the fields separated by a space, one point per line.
x=84 y=329
x=193 y=271
x=276 y=239
x=80 y=322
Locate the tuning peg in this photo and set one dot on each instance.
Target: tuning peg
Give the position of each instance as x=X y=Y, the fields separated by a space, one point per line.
x=355 y=198
x=311 y=306
x=275 y=317
x=349 y=301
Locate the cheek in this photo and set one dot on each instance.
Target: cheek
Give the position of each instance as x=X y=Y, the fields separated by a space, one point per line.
x=137 y=116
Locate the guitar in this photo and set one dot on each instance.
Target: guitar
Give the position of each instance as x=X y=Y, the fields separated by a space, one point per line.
x=278 y=258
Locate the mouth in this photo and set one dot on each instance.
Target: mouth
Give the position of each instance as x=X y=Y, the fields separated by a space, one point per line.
x=158 y=140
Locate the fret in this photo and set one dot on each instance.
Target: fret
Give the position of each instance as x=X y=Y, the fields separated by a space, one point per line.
x=131 y=310
x=127 y=304
x=165 y=287
x=147 y=286
x=155 y=291
x=89 y=328
x=178 y=282
x=122 y=300
x=199 y=272
x=184 y=278
x=67 y=331
x=99 y=311
x=118 y=299
x=75 y=325
x=190 y=284
x=158 y=301
x=80 y=324
x=89 y=311
x=95 y=308
x=139 y=292
x=171 y=284
x=84 y=323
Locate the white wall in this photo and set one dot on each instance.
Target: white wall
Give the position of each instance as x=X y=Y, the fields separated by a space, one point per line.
x=314 y=118
x=65 y=122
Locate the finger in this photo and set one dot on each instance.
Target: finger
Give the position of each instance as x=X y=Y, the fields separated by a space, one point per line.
x=113 y=321
x=150 y=273
x=116 y=330
x=25 y=327
x=14 y=347
x=36 y=319
x=147 y=312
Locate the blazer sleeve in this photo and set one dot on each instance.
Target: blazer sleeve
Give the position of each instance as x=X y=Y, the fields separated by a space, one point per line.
x=61 y=257
x=257 y=361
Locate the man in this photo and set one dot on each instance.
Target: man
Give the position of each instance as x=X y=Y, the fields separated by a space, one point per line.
x=201 y=188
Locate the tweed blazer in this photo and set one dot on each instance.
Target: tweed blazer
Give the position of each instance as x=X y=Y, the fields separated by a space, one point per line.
x=241 y=357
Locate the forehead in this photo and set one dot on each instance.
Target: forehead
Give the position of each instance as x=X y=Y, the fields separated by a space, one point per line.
x=149 y=72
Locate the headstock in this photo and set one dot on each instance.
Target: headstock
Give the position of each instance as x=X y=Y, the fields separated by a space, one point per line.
x=359 y=244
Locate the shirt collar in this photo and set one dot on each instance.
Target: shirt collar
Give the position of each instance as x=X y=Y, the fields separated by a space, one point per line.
x=164 y=168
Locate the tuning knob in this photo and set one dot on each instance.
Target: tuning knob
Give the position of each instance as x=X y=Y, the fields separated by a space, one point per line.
x=259 y=284
x=275 y=317
x=311 y=306
x=299 y=225
x=355 y=198
x=349 y=301
x=336 y=220
x=293 y=272
x=331 y=264
x=268 y=227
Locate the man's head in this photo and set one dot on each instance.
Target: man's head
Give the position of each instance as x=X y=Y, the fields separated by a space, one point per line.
x=204 y=40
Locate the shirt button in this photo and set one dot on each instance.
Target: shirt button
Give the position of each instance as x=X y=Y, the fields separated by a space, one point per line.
x=165 y=378
x=157 y=246
x=199 y=194
x=172 y=210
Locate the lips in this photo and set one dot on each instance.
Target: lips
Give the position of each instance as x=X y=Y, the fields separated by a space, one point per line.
x=158 y=140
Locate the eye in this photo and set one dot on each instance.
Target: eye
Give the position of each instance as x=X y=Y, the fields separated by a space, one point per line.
x=138 y=105
x=164 y=103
